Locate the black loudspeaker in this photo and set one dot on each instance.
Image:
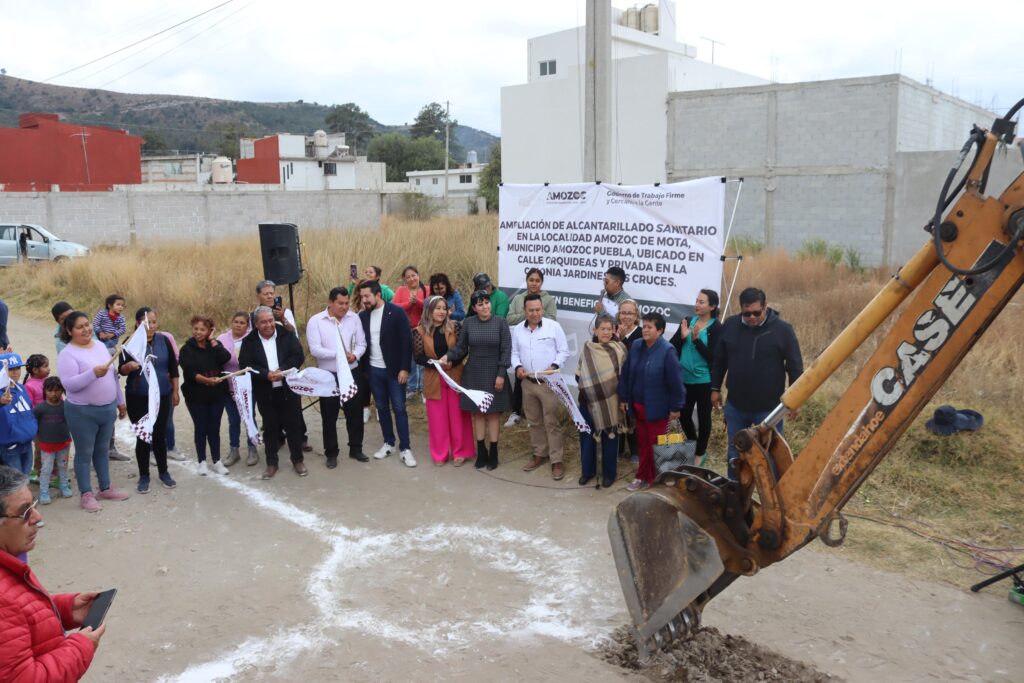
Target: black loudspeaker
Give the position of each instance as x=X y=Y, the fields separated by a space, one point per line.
x=282 y=260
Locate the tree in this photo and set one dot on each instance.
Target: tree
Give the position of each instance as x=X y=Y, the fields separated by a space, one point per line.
x=227 y=135
x=153 y=142
x=430 y=122
x=490 y=179
x=401 y=155
x=349 y=118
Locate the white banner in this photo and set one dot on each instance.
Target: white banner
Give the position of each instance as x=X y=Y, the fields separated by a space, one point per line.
x=312 y=381
x=667 y=238
x=143 y=429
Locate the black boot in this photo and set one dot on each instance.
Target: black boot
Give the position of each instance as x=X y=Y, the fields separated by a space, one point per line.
x=492 y=458
x=481 y=455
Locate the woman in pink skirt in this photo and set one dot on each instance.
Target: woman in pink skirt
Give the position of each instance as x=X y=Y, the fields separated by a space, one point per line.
x=451 y=429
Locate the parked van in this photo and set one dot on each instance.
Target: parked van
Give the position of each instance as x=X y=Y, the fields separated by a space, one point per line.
x=37 y=243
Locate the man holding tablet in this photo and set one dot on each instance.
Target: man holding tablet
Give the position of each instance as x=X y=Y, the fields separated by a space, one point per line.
x=33 y=643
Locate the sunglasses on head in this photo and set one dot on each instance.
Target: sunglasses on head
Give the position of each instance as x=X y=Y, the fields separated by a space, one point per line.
x=752 y=314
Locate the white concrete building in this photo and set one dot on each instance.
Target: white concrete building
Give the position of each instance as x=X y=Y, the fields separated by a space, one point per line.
x=461 y=181
x=298 y=162
x=178 y=168
x=542 y=120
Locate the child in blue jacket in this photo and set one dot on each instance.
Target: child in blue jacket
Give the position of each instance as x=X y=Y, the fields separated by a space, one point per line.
x=17 y=421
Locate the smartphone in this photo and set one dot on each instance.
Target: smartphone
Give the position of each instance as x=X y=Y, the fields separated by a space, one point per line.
x=353 y=271
x=98 y=609
x=278 y=301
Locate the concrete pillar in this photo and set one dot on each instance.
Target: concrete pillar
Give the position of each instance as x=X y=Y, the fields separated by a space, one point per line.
x=597 y=136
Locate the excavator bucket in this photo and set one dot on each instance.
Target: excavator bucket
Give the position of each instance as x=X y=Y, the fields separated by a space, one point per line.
x=665 y=562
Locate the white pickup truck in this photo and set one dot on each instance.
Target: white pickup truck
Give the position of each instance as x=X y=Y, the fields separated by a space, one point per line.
x=35 y=243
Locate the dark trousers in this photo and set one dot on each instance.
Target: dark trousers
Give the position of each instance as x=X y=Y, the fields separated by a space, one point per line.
x=588 y=448
x=206 y=425
x=330 y=407
x=517 y=397
x=697 y=395
x=281 y=410
x=138 y=406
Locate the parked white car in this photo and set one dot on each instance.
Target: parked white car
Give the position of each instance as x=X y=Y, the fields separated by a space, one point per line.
x=39 y=244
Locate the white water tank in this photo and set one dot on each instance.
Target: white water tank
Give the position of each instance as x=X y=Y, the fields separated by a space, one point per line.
x=221 y=171
x=471 y=157
x=320 y=149
x=649 y=18
x=632 y=19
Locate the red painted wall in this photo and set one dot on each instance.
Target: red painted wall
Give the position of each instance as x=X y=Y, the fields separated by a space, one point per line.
x=265 y=167
x=45 y=151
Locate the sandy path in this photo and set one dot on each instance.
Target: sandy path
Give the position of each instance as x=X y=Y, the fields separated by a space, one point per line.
x=377 y=572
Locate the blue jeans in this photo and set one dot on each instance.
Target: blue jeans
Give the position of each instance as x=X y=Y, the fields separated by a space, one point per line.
x=737 y=420
x=18 y=456
x=206 y=425
x=91 y=428
x=588 y=449
x=415 y=382
x=386 y=390
x=234 y=422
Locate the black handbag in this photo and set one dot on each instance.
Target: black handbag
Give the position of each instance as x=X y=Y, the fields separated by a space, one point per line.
x=673 y=450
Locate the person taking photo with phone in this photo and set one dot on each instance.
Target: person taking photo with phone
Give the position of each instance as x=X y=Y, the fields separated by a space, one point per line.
x=34 y=643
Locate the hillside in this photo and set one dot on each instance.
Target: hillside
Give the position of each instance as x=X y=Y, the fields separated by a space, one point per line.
x=185 y=123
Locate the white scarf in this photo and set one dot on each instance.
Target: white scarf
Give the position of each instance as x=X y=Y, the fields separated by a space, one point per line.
x=241 y=392
x=482 y=399
x=557 y=384
x=347 y=387
x=136 y=348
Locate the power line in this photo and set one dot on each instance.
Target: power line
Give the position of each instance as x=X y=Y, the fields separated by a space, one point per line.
x=181 y=44
x=137 y=42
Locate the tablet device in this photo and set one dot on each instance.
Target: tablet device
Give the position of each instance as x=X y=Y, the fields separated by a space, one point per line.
x=99 y=608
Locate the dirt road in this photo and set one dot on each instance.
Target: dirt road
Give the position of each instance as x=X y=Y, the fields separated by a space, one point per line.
x=379 y=572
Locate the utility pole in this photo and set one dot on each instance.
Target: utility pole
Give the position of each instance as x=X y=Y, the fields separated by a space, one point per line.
x=85 y=154
x=597 y=162
x=447 y=132
x=713 y=43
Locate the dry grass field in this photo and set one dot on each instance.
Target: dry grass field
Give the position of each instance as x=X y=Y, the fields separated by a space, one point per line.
x=965 y=489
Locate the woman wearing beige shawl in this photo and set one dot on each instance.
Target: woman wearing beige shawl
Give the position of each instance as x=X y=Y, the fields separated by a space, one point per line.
x=598 y=377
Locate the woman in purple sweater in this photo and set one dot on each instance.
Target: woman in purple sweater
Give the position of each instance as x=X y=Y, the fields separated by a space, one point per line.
x=93 y=402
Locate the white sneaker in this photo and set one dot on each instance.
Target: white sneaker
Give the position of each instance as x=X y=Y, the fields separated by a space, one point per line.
x=203 y=469
x=175 y=455
x=407 y=458
x=512 y=420
x=383 y=452
x=219 y=468
x=366 y=415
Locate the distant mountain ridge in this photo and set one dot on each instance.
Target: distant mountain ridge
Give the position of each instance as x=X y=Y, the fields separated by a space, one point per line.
x=191 y=124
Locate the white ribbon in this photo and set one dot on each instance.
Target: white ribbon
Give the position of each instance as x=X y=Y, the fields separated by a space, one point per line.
x=147 y=423
x=482 y=399
x=557 y=384
x=312 y=382
x=137 y=343
x=347 y=387
x=241 y=392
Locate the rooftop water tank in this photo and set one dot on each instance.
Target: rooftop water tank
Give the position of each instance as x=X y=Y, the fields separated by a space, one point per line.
x=471 y=157
x=649 y=18
x=632 y=18
x=221 y=171
x=320 y=149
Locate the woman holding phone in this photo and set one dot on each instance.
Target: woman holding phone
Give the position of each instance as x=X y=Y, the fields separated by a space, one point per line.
x=202 y=360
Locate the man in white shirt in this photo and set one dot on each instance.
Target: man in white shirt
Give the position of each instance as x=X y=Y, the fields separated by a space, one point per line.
x=322 y=333
x=539 y=345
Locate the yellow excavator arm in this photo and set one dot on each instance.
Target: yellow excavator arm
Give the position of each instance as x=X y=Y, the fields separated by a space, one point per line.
x=685 y=539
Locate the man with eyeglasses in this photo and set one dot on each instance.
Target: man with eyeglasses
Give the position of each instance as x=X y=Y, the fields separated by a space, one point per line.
x=33 y=642
x=757 y=351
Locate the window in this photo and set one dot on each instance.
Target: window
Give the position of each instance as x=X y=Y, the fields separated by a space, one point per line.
x=330 y=168
x=417 y=181
x=465 y=178
x=547 y=68
x=433 y=181
x=6 y=232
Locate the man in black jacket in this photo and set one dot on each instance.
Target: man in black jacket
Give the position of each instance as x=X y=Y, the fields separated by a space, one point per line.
x=269 y=352
x=386 y=364
x=757 y=350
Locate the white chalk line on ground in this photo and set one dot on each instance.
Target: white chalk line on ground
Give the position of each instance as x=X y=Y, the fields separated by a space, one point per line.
x=567 y=609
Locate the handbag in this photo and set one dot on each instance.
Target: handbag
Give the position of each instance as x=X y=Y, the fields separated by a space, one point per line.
x=673 y=450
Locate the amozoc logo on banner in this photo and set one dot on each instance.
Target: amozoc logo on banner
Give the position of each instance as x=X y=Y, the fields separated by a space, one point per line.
x=566 y=196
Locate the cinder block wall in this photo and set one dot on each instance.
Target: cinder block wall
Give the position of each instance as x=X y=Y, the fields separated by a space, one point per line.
x=125 y=214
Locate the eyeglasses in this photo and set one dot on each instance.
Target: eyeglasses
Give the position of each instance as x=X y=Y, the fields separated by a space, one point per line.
x=752 y=314
x=27 y=514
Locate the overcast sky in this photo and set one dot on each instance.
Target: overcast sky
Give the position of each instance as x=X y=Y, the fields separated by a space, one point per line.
x=393 y=57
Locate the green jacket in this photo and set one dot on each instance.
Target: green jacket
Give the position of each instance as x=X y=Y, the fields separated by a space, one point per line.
x=499 y=303
x=515 y=308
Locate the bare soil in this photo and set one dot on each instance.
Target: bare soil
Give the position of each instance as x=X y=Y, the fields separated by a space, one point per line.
x=380 y=572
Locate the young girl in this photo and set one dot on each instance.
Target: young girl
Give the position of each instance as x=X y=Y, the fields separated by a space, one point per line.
x=54 y=439
x=37 y=368
x=109 y=324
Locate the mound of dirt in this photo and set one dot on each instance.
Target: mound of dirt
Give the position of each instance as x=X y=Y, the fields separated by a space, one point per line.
x=708 y=656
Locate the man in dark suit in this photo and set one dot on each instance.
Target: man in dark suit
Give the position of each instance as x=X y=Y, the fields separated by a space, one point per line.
x=269 y=352
x=386 y=363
